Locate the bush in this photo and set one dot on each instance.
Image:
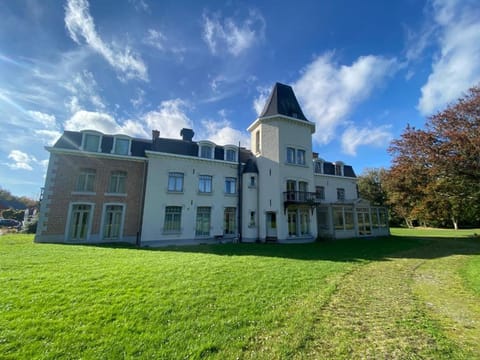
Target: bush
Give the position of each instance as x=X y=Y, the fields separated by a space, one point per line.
x=30 y=228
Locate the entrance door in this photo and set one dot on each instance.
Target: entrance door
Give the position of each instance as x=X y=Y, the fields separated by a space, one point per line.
x=79 y=222
x=271 y=225
x=363 y=220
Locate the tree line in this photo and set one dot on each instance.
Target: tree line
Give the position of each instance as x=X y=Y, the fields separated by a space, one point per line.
x=434 y=178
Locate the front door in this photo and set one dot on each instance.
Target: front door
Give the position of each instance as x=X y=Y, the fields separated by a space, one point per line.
x=271 y=225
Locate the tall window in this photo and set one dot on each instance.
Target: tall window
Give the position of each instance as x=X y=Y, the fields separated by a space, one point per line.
x=304 y=221
x=340 y=194
x=80 y=221
x=257 y=141
x=229 y=221
x=121 y=146
x=252 y=219
x=173 y=219
x=318 y=167
x=291 y=187
x=113 y=221
x=202 y=227
x=206 y=152
x=290 y=155
x=205 y=184
x=301 y=157
x=86 y=180
x=320 y=192
x=252 y=181
x=292 y=222
x=230 y=155
x=339 y=169
x=230 y=185
x=302 y=190
x=175 y=182
x=117 y=182
x=91 y=142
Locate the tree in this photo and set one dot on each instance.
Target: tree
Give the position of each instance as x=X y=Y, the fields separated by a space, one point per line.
x=371 y=186
x=435 y=173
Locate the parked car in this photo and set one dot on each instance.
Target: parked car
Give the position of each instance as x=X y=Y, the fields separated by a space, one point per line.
x=11 y=223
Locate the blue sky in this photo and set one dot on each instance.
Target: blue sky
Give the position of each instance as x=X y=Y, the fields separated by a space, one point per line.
x=361 y=70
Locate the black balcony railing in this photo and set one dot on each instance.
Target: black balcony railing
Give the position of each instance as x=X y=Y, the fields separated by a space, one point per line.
x=301 y=197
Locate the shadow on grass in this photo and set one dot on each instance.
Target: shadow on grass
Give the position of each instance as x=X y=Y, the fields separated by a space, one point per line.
x=348 y=250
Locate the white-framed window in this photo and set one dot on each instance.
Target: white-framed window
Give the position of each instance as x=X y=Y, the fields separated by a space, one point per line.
x=340 y=194
x=79 y=221
x=320 y=192
x=290 y=155
x=230 y=185
x=252 y=182
x=318 y=167
x=175 y=182
x=206 y=149
x=229 y=221
x=205 y=183
x=86 y=180
x=173 y=219
x=121 y=146
x=252 y=219
x=112 y=224
x=117 y=182
x=300 y=157
x=339 y=168
x=230 y=154
x=91 y=141
x=202 y=227
x=257 y=142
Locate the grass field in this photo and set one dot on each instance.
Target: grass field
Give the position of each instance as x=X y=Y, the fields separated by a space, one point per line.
x=408 y=296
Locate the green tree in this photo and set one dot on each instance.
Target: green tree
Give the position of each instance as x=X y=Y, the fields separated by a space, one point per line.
x=371 y=186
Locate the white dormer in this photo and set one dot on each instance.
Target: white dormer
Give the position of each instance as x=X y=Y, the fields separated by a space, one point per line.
x=122 y=145
x=230 y=153
x=91 y=141
x=318 y=165
x=339 y=168
x=206 y=149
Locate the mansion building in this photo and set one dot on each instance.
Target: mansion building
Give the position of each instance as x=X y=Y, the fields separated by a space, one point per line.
x=163 y=191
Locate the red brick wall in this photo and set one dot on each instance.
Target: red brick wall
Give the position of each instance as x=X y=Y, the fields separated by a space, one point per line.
x=67 y=169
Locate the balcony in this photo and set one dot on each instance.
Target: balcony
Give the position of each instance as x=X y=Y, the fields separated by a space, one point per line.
x=301 y=197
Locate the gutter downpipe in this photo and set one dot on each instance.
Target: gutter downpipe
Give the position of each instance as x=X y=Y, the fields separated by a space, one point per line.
x=240 y=192
x=142 y=204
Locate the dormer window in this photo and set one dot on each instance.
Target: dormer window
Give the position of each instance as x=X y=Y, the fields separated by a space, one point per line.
x=318 y=166
x=121 y=146
x=339 y=168
x=206 y=149
x=91 y=141
x=230 y=153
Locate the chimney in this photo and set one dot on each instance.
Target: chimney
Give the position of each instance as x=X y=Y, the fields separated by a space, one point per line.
x=187 y=134
x=155 y=134
x=315 y=155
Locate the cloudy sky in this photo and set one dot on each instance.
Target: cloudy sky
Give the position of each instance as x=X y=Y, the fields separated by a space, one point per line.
x=362 y=71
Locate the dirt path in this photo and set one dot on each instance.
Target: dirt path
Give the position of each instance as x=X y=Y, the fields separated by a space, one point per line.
x=412 y=306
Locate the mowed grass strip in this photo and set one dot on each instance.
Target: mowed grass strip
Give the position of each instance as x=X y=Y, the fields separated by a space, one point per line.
x=224 y=301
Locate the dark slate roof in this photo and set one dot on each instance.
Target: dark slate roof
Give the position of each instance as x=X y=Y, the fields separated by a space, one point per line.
x=329 y=169
x=282 y=101
x=348 y=171
x=250 y=166
x=72 y=140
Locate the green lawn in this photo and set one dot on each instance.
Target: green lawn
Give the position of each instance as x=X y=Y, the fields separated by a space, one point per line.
x=339 y=299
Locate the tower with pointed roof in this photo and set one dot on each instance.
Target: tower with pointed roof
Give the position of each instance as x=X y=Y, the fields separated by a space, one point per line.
x=281 y=139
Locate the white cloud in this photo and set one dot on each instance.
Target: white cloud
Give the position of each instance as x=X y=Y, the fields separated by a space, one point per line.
x=21 y=160
x=49 y=137
x=155 y=39
x=83 y=87
x=140 y=5
x=328 y=91
x=236 y=38
x=169 y=119
x=221 y=132
x=354 y=137
x=89 y=120
x=456 y=68
x=80 y=25
x=260 y=101
x=48 y=121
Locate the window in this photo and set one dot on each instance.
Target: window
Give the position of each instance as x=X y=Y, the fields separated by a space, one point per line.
x=252 y=219
x=121 y=146
x=292 y=222
x=229 y=221
x=230 y=185
x=175 y=182
x=340 y=194
x=339 y=169
x=80 y=222
x=91 y=142
x=343 y=218
x=205 y=184
x=302 y=190
x=252 y=181
x=304 y=222
x=230 y=155
x=318 y=167
x=322 y=218
x=202 y=227
x=257 y=141
x=86 y=180
x=112 y=222
x=206 y=152
x=349 y=225
x=173 y=219
x=320 y=192
x=290 y=155
x=301 y=157
x=117 y=182
x=291 y=186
